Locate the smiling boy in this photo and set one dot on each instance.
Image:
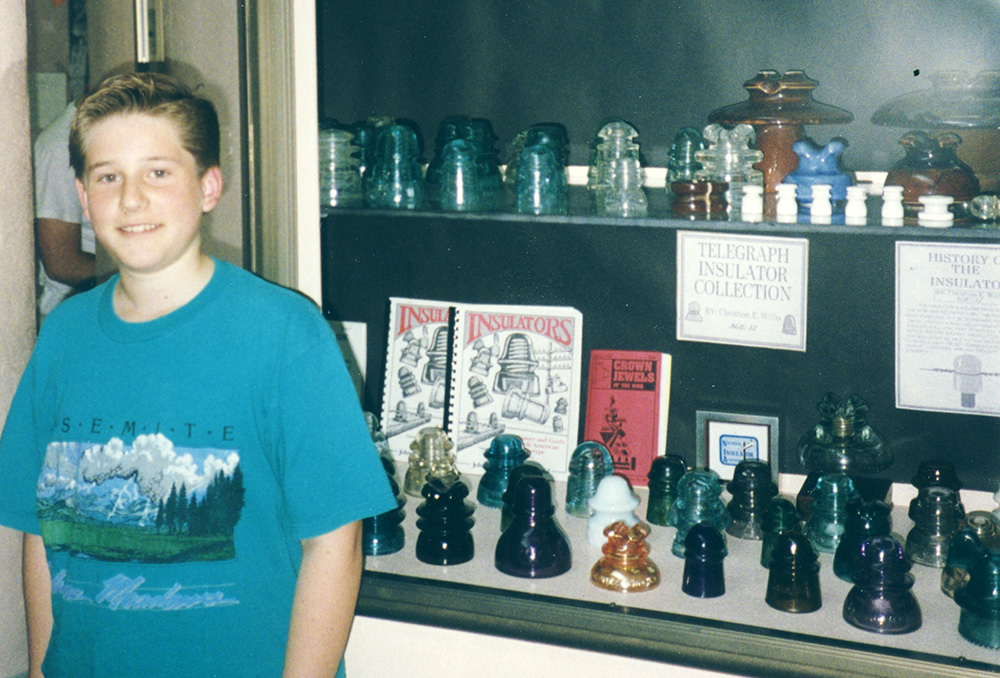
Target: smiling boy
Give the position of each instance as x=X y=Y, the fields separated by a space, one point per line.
x=185 y=454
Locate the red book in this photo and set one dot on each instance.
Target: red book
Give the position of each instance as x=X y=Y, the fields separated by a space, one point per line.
x=628 y=399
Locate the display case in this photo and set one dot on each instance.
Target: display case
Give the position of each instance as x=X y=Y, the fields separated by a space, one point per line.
x=661 y=68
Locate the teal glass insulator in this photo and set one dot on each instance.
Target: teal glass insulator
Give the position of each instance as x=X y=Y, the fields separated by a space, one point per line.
x=589 y=464
x=505 y=453
x=449 y=129
x=828 y=515
x=751 y=490
x=365 y=135
x=550 y=135
x=397 y=177
x=699 y=500
x=780 y=516
x=483 y=137
x=682 y=163
x=664 y=474
x=541 y=182
x=458 y=189
x=383 y=534
x=865 y=519
x=979 y=621
x=964 y=551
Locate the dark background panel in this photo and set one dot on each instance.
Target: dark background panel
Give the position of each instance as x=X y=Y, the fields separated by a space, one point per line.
x=622 y=277
x=659 y=64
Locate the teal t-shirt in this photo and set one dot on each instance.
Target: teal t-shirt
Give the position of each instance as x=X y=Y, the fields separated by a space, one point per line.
x=172 y=466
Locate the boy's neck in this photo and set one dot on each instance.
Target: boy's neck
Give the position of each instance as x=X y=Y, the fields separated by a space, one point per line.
x=142 y=297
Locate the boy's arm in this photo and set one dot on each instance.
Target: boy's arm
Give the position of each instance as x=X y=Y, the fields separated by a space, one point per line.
x=59 y=249
x=323 y=608
x=37 y=601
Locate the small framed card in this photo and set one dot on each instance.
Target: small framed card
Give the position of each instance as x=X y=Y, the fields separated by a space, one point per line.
x=724 y=439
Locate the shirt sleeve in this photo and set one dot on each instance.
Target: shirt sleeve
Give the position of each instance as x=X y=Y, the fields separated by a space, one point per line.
x=55 y=191
x=331 y=473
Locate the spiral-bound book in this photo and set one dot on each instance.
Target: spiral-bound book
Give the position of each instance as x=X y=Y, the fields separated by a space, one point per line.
x=516 y=369
x=416 y=389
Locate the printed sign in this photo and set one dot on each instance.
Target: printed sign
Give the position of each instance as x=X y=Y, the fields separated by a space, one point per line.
x=746 y=290
x=947 y=315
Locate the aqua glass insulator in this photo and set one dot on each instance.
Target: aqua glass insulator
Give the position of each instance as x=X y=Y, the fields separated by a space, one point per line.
x=729 y=158
x=682 y=163
x=881 y=600
x=451 y=128
x=458 y=189
x=484 y=139
x=979 y=621
x=986 y=526
x=704 y=551
x=397 y=177
x=937 y=513
x=533 y=546
x=365 y=136
x=793 y=580
x=541 y=182
x=664 y=474
x=780 y=516
x=553 y=136
x=936 y=472
x=865 y=519
x=699 y=500
x=445 y=523
x=383 y=534
x=339 y=167
x=751 y=490
x=842 y=441
x=964 y=551
x=613 y=501
x=528 y=469
x=828 y=514
x=505 y=453
x=588 y=465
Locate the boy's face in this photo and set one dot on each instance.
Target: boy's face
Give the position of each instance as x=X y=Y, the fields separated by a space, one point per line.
x=143 y=193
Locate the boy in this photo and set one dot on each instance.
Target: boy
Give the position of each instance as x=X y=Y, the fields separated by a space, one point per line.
x=178 y=430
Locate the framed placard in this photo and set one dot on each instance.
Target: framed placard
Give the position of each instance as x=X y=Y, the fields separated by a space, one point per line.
x=724 y=439
x=745 y=290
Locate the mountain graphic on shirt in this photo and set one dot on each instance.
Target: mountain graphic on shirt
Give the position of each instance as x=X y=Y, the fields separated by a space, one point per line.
x=145 y=502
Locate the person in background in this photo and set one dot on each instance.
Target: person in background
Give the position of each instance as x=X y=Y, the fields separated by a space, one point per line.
x=185 y=453
x=63 y=236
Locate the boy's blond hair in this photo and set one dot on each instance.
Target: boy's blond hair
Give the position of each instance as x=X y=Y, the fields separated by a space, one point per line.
x=153 y=94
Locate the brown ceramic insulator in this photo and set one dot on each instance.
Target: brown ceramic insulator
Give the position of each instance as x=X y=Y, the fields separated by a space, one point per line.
x=931 y=167
x=778 y=107
x=699 y=197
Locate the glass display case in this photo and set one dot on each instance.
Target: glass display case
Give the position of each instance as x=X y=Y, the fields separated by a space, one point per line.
x=661 y=68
